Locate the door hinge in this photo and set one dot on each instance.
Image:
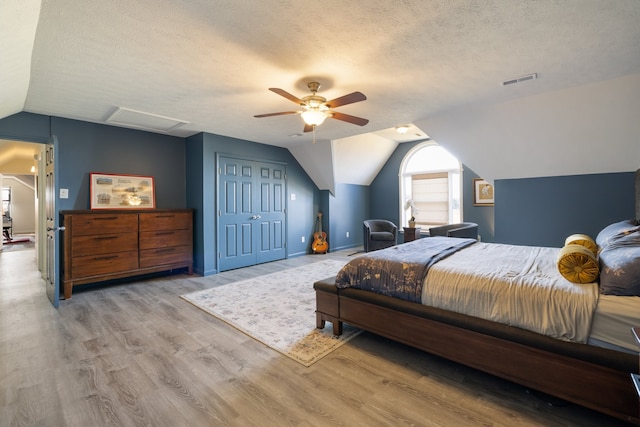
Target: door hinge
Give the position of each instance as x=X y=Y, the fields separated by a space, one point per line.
x=219 y=171
x=219 y=255
x=219 y=212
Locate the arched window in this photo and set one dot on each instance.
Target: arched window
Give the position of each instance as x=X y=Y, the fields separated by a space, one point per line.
x=430 y=186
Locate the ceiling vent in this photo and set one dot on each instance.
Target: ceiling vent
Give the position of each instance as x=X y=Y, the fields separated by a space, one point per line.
x=141 y=120
x=521 y=79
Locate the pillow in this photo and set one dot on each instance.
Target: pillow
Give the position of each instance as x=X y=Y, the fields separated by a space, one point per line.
x=628 y=230
x=578 y=264
x=620 y=259
x=582 y=240
x=620 y=271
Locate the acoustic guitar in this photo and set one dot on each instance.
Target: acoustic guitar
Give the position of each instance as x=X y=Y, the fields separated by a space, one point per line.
x=319 y=245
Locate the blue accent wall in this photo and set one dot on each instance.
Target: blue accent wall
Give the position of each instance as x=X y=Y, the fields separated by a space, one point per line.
x=385 y=188
x=533 y=211
x=347 y=209
x=88 y=147
x=184 y=172
x=545 y=211
x=202 y=152
x=196 y=181
x=385 y=195
x=26 y=127
x=484 y=216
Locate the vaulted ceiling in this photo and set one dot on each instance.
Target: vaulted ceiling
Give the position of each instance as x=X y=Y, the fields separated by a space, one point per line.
x=205 y=66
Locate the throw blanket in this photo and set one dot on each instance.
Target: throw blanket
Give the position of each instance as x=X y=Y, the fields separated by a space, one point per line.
x=399 y=271
x=515 y=285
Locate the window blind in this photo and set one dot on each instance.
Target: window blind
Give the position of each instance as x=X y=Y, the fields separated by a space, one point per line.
x=430 y=194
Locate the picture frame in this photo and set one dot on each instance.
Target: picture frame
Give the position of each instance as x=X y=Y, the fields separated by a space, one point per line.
x=116 y=191
x=483 y=193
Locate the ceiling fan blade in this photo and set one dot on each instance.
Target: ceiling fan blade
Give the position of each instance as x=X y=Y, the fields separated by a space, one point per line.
x=287 y=95
x=348 y=118
x=276 y=114
x=346 y=99
x=307 y=128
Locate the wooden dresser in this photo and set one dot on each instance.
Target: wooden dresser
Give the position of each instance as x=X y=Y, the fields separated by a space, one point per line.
x=114 y=244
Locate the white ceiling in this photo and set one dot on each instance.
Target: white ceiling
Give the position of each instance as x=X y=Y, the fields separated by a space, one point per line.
x=17 y=158
x=209 y=63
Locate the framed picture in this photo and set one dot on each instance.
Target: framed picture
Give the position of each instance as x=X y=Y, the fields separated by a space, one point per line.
x=482 y=193
x=113 y=191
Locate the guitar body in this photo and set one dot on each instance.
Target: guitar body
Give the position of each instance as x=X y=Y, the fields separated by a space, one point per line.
x=319 y=245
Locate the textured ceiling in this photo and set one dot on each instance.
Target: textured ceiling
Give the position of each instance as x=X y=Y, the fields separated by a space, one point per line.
x=210 y=63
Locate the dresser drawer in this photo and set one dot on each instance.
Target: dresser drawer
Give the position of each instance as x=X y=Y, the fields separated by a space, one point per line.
x=104 y=244
x=165 y=221
x=171 y=255
x=103 y=264
x=83 y=225
x=163 y=239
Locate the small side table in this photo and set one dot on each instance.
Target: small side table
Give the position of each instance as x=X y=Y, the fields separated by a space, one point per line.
x=411 y=233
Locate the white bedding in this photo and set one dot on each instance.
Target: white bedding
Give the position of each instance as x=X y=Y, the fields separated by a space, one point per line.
x=515 y=285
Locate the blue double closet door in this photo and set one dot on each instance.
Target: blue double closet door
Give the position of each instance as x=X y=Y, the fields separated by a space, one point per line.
x=251 y=212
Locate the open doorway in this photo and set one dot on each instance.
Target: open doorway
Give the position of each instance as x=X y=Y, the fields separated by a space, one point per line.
x=19 y=184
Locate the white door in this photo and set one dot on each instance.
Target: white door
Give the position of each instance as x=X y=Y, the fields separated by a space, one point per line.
x=52 y=280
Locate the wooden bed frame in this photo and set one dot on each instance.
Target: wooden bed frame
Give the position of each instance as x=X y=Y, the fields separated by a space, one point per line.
x=590 y=376
x=594 y=377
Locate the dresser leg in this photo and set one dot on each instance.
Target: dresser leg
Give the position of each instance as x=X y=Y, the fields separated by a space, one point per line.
x=67 y=290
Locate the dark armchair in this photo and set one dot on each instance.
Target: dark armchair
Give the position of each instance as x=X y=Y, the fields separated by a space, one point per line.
x=462 y=229
x=379 y=234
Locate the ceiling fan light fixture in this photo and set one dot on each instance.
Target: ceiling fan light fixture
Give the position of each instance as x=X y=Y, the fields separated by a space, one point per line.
x=315 y=108
x=314 y=117
x=402 y=129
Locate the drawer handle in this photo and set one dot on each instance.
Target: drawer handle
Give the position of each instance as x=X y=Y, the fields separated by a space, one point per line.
x=166 y=250
x=106 y=237
x=165 y=216
x=164 y=233
x=106 y=218
x=103 y=258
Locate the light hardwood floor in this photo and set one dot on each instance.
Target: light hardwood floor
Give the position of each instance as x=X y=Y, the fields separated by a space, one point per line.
x=136 y=354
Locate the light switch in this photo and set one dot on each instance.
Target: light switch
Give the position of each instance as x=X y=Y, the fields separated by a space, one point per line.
x=64 y=193
x=293 y=196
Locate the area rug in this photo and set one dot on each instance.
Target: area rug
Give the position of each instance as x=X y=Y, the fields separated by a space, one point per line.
x=278 y=309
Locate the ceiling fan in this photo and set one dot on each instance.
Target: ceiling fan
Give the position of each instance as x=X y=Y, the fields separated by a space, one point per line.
x=315 y=108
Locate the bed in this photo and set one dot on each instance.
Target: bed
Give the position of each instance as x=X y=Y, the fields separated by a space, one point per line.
x=447 y=305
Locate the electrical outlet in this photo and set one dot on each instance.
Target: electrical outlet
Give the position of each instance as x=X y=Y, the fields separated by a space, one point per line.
x=347 y=234
x=302 y=239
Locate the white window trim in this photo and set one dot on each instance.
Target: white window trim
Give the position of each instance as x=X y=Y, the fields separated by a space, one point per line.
x=403 y=212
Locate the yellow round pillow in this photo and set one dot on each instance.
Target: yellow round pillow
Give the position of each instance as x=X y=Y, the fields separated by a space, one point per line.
x=582 y=240
x=578 y=264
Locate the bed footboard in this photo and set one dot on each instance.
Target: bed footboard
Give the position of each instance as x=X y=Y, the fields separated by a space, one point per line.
x=327 y=305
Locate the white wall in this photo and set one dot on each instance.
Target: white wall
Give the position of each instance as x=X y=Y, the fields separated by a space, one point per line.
x=587 y=129
x=23 y=209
